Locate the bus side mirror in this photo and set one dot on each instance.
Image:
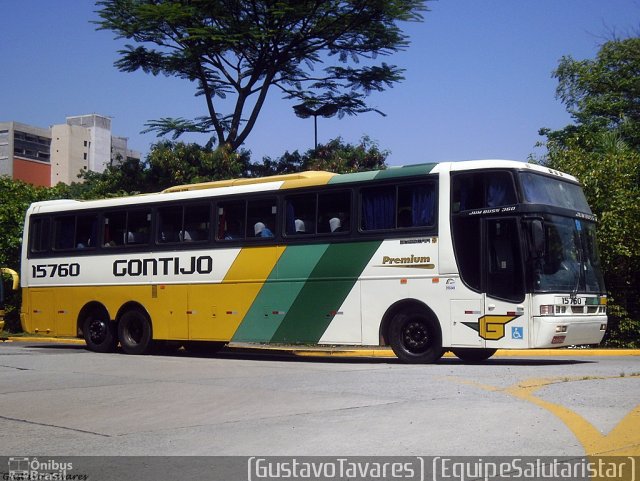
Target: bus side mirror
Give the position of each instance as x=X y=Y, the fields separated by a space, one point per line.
x=537 y=238
x=1 y=290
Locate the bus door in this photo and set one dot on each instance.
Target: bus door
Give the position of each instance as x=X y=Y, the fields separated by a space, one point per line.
x=504 y=321
x=41 y=302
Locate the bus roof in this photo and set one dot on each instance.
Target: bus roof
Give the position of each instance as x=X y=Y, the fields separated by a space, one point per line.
x=290 y=181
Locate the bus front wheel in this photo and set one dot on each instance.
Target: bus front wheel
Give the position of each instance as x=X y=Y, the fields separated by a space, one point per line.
x=415 y=337
x=99 y=332
x=134 y=332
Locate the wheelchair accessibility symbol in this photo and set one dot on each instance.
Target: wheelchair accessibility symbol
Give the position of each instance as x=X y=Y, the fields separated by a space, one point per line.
x=517 y=332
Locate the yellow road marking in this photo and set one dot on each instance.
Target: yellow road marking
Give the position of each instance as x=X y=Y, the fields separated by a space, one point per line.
x=622 y=440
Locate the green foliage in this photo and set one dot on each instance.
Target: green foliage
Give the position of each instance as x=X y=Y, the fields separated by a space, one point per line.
x=603 y=93
x=334 y=156
x=176 y=163
x=168 y=164
x=603 y=151
x=238 y=51
x=15 y=198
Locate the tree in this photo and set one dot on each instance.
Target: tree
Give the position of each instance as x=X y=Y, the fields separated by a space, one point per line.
x=602 y=94
x=334 y=156
x=177 y=163
x=602 y=149
x=167 y=164
x=15 y=198
x=243 y=49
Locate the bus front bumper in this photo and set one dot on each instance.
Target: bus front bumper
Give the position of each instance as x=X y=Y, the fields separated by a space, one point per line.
x=550 y=331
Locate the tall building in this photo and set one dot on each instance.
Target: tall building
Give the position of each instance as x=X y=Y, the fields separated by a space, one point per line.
x=70 y=149
x=48 y=156
x=25 y=153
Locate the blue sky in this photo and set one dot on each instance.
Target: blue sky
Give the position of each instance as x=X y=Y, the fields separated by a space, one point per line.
x=478 y=79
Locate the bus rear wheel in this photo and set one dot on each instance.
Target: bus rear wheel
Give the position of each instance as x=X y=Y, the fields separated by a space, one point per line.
x=473 y=355
x=99 y=332
x=415 y=337
x=134 y=332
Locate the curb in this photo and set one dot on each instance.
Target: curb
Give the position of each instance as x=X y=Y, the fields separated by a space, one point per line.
x=380 y=352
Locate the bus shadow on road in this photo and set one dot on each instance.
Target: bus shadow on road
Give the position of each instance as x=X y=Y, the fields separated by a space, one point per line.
x=269 y=355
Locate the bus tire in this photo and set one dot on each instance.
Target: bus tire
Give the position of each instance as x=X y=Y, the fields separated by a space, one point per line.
x=473 y=355
x=134 y=332
x=415 y=337
x=99 y=332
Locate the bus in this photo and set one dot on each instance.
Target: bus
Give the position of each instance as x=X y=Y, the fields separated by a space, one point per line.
x=13 y=275
x=468 y=257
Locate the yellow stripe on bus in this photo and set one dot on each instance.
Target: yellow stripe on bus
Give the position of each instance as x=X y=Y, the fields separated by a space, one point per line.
x=225 y=305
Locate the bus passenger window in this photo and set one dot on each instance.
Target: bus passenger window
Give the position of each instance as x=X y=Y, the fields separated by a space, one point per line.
x=169 y=224
x=39 y=236
x=334 y=212
x=378 y=208
x=138 y=227
x=86 y=231
x=416 y=205
x=64 y=232
x=114 y=229
x=126 y=228
x=300 y=214
x=196 y=223
x=231 y=220
x=261 y=218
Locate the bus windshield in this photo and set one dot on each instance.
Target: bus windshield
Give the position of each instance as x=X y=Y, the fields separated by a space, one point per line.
x=570 y=261
x=540 y=189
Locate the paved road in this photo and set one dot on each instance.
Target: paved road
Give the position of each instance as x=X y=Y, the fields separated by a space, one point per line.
x=62 y=400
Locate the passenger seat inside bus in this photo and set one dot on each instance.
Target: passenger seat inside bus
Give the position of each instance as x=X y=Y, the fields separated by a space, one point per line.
x=137 y=238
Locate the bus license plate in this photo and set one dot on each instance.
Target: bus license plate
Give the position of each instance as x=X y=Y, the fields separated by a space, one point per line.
x=573 y=301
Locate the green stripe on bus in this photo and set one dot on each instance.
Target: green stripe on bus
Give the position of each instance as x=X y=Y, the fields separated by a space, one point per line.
x=408 y=170
x=355 y=177
x=276 y=297
x=325 y=291
x=390 y=173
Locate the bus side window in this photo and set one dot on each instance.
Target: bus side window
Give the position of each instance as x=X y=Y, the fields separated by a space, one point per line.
x=499 y=189
x=64 y=232
x=261 y=218
x=169 y=224
x=196 y=223
x=138 y=227
x=39 y=236
x=378 y=208
x=481 y=190
x=334 y=212
x=416 y=205
x=86 y=231
x=231 y=220
x=300 y=214
x=114 y=229
x=467 y=192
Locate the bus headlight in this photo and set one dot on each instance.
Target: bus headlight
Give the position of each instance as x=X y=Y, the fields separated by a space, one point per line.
x=547 y=310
